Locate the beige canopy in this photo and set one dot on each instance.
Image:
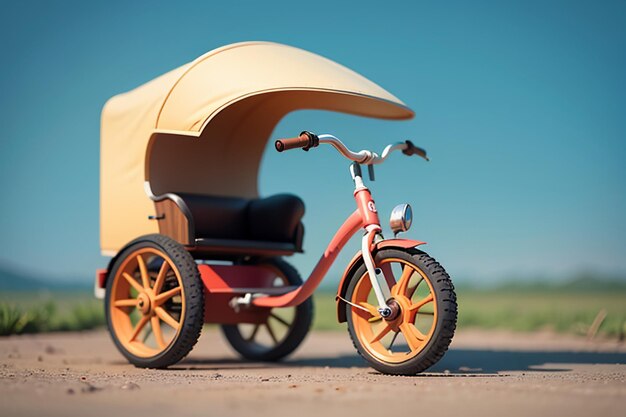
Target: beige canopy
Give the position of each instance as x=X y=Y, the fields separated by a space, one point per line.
x=202 y=127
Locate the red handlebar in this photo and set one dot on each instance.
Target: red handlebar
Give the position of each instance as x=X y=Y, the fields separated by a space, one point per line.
x=306 y=141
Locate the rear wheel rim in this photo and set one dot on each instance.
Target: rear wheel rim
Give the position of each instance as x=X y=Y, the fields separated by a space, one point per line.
x=147 y=303
x=403 y=338
x=274 y=331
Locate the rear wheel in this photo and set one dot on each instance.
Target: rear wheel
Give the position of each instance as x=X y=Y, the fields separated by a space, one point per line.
x=424 y=313
x=154 y=302
x=282 y=332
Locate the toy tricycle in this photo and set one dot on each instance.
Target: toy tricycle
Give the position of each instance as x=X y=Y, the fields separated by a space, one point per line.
x=192 y=242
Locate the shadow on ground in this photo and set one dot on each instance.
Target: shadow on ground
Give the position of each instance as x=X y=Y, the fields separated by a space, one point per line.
x=455 y=362
x=497 y=361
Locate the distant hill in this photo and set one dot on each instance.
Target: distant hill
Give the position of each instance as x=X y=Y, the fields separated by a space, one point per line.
x=12 y=280
x=586 y=283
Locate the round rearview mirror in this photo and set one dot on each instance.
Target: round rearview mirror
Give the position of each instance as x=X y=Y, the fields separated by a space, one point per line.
x=401 y=218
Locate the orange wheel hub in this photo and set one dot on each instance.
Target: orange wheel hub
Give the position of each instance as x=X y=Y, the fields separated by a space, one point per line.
x=143 y=303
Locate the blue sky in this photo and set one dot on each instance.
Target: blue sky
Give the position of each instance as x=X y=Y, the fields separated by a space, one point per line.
x=521 y=106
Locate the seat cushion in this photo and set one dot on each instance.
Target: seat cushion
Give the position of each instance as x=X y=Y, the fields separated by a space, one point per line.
x=275 y=218
x=272 y=219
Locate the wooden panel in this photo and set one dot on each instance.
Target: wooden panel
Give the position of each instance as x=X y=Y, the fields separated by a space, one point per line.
x=172 y=222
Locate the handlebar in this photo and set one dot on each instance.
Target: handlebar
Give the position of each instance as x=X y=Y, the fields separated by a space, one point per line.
x=414 y=150
x=308 y=140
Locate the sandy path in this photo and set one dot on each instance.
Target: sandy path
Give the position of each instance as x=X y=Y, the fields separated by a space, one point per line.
x=491 y=373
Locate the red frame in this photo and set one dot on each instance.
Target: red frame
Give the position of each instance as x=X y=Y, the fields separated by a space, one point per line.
x=364 y=216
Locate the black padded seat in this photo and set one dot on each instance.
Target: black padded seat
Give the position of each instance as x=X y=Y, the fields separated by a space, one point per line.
x=271 y=223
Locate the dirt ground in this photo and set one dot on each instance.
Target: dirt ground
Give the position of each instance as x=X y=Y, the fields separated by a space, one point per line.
x=484 y=373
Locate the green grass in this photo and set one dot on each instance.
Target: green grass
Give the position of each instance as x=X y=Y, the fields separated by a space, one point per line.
x=564 y=312
x=33 y=312
x=506 y=308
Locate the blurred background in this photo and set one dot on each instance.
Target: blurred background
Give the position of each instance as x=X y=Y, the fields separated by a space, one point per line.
x=521 y=106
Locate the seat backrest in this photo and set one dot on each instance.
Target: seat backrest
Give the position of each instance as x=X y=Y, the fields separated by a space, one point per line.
x=275 y=218
x=217 y=217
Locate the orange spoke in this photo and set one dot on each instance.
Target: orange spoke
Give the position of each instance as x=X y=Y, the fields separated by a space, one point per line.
x=145 y=278
x=271 y=332
x=370 y=308
x=412 y=290
x=165 y=316
x=403 y=282
x=413 y=336
x=381 y=334
x=156 y=329
x=160 y=279
x=365 y=315
x=132 y=302
x=280 y=319
x=254 y=332
x=133 y=282
x=140 y=325
x=421 y=303
x=163 y=297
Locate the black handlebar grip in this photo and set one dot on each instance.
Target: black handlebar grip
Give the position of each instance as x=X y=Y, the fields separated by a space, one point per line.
x=306 y=141
x=414 y=150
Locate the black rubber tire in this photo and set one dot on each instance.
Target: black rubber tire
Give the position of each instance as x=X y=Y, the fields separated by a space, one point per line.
x=296 y=334
x=446 y=314
x=194 y=301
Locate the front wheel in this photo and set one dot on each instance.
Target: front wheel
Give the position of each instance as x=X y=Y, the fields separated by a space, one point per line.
x=424 y=313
